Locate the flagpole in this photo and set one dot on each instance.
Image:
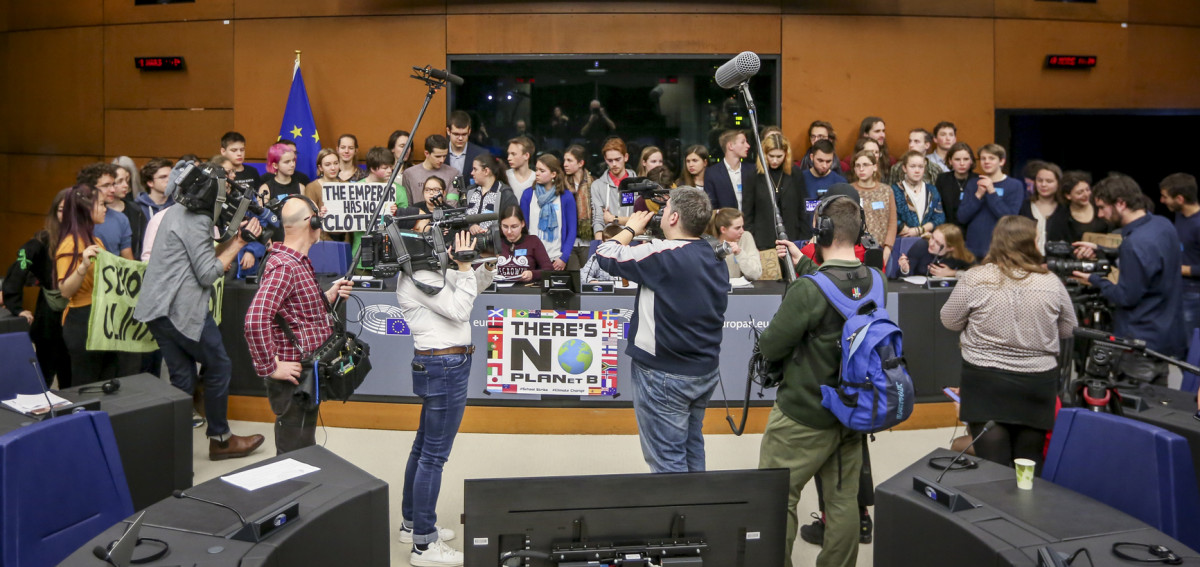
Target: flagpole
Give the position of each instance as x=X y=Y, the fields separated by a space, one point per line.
x=296 y=67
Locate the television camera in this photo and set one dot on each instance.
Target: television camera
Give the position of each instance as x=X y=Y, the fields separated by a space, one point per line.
x=204 y=189
x=394 y=248
x=633 y=187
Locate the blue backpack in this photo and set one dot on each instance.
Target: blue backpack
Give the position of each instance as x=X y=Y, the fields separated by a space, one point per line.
x=874 y=391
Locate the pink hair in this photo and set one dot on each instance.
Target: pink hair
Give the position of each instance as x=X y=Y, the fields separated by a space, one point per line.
x=274 y=154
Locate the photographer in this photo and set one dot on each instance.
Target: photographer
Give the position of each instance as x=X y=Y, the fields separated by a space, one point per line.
x=441 y=365
x=289 y=289
x=675 y=335
x=1147 y=300
x=174 y=306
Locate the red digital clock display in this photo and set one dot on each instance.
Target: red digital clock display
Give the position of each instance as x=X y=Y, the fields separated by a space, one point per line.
x=159 y=63
x=1070 y=61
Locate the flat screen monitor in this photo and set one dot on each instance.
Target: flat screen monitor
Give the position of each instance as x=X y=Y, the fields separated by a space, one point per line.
x=724 y=518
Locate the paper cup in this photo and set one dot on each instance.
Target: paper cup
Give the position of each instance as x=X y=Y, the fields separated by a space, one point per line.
x=1024 y=473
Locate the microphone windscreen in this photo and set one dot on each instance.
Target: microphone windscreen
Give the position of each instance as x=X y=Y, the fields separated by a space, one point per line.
x=737 y=70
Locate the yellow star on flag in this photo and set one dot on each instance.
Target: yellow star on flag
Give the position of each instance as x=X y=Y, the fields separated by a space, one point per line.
x=316 y=137
x=295 y=131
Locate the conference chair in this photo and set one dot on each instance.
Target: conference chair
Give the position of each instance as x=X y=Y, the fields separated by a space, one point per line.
x=330 y=257
x=19 y=377
x=1138 y=468
x=903 y=243
x=61 y=484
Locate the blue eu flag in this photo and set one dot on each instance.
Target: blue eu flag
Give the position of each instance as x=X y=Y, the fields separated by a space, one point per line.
x=299 y=126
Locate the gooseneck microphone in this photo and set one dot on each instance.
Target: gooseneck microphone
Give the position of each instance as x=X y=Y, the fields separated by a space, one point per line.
x=738 y=70
x=440 y=74
x=986 y=427
x=182 y=494
x=42 y=382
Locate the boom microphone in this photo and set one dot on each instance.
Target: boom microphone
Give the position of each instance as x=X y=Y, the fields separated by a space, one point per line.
x=738 y=70
x=441 y=75
x=182 y=494
x=986 y=427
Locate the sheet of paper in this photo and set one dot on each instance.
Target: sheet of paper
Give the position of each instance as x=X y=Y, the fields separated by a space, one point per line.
x=267 y=475
x=916 y=280
x=35 y=403
x=740 y=282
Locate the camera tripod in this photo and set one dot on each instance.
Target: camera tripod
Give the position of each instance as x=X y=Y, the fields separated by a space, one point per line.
x=1099 y=388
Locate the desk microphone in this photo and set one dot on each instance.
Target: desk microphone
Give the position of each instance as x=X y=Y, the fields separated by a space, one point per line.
x=182 y=494
x=42 y=382
x=986 y=427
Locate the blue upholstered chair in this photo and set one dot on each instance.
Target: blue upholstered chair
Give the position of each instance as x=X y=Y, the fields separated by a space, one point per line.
x=61 y=484
x=330 y=257
x=903 y=243
x=1140 y=469
x=19 y=377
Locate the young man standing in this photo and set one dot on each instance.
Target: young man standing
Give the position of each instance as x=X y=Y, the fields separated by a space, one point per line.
x=675 y=335
x=819 y=177
x=520 y=175
x=289 y=289
x=801 y=435
x=606 y=200
x=919 y=140
x=945 y=134
x=233 y=146
x=1178 y=193
x=724 y=184
x=436 y=149
x=462 y=151
x=156 y=174
x=115 y=232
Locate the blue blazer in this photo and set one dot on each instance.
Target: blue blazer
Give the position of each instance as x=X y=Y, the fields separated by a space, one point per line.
x=720 y=189
x=471 y=152
x=566 y=227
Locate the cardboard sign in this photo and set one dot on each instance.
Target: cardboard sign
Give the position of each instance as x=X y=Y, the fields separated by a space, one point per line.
x=351 y=206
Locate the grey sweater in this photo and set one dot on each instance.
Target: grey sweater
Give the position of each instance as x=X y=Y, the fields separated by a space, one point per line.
x=605 y=194
x=182 y=271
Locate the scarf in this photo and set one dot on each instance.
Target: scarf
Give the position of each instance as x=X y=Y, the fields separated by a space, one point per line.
x=547 y=201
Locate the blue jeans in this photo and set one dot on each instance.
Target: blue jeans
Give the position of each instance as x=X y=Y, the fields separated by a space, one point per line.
x=182 y=354
x=441 y=382
x=670 y=417
x=1191 y=311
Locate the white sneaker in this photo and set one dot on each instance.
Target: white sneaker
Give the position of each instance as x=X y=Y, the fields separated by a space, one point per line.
x=444 y=534
x=439 y=554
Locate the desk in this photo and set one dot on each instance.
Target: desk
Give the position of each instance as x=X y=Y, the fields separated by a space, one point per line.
x=12 y=324
x=152 y=422
x=932 y=351
x=1007 y=528
x=343 y=521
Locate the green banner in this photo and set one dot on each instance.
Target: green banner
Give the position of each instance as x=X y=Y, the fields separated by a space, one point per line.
x=115 y=291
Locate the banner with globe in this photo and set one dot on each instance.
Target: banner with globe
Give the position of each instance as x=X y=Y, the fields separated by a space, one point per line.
x=571 y=353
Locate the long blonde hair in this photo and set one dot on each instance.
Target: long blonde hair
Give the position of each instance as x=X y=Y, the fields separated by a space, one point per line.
x=1014 y=248
x=777 y=141
x=955 y=242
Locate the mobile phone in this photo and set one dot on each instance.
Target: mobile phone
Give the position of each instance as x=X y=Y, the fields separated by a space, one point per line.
x=950 y=394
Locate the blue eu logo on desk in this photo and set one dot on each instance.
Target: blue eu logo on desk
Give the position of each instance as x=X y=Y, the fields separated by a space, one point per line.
x=398 y=327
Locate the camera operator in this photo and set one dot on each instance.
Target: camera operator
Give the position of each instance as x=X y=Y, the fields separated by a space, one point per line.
x=1147 y=299
x=174 y=306
x=675 y=336
x=289 y=289
x=441 y=365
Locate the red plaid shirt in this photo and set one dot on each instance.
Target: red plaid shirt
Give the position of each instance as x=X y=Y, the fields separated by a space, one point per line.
x=287 y=287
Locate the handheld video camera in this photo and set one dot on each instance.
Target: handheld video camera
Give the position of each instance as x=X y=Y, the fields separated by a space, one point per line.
x=633 y=187
x=204 y=189
x=395 y=249
x=1060 y=259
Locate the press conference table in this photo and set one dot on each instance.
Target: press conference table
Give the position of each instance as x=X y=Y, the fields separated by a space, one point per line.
x=1007 y=528
x=343 y=521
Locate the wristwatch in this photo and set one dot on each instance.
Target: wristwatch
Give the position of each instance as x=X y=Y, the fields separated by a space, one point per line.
x=632 y=232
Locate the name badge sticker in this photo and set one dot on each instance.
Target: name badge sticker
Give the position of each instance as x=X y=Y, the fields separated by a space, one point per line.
x=1000 y=191
x=878 y=205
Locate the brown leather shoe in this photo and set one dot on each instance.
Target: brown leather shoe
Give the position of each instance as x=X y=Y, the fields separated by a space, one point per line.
x=234 y=447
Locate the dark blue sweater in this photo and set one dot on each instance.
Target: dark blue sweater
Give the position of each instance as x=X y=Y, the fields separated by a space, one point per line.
x=1147 y=299
x=679 y=314
x=1188 y=229
x=981 y=215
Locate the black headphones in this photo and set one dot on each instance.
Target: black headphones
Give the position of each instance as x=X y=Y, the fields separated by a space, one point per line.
x=825 y=224
x=1157 y=553
x=109 y=387
x=314 y=222
x=101 y=552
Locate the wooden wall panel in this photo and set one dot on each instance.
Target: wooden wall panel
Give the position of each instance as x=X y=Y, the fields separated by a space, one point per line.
x=956 y=8
x=144 y=134
x=1022 y=80
x=32 y=180
x=206 y=82
x=126 y=12
x=1103 y=10
x=852 y=81
x=613 y=33
x=1166 y=12
x=25 y=15
x=5 y=104
x=362 y=89
x=18 y=229
x=5 y=195
x=243 y=9
x=60 y=108
x=1163 y=63
x=621 y=7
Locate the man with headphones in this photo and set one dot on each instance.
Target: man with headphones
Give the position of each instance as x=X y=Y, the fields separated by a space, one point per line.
x=288 y=289
x=805 y=333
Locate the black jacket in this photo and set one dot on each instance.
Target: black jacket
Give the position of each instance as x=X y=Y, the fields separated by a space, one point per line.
x=760 y=220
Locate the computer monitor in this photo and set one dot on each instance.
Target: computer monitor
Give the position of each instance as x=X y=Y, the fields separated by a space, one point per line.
x=718 y=518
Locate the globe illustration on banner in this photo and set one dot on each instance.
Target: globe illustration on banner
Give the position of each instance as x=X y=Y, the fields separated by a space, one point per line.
x=575 y=356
